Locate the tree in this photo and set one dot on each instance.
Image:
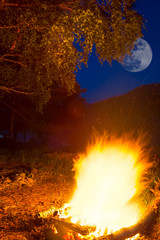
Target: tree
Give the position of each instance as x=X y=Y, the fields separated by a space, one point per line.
x=43 y=43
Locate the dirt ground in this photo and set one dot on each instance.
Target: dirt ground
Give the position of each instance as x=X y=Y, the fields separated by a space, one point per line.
x=26 y=191
x=30 y=187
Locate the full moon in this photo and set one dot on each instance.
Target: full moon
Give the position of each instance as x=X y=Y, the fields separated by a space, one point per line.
x=140 y=58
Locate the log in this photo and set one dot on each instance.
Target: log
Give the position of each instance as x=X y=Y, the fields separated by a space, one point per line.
x=52 y=217
x=83 y=230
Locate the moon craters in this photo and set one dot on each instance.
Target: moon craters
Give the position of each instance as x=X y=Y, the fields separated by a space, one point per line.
x=140 y=59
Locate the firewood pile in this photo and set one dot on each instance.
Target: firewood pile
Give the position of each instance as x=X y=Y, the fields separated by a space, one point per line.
x=54 y=219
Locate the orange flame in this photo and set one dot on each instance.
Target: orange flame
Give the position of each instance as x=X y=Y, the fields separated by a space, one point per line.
x=108 y=180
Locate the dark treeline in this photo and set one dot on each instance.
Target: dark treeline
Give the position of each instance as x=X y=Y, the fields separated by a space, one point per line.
x=69 y=123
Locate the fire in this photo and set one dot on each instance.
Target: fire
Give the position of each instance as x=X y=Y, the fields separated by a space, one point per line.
x=109 y=178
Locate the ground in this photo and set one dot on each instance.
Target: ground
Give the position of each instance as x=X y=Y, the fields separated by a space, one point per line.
x=30 y=185
x=27 y=188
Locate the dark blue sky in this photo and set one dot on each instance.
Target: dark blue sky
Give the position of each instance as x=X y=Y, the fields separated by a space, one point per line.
x=107 y=81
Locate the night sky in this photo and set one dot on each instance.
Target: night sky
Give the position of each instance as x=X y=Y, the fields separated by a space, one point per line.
x=107 y=81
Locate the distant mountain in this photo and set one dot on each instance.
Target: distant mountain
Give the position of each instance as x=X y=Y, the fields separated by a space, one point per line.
x=136 y=111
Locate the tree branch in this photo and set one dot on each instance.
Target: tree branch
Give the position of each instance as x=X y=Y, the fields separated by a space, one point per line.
x=65 y=7
x=5 y=4
x=16 y=26
x=9 y=90
x=12 y=26
x=9 y=60
x=12 y=55
x=2 y=58
x=102 y=7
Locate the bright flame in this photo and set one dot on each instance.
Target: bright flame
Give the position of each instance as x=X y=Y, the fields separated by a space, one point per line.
x=108 y=180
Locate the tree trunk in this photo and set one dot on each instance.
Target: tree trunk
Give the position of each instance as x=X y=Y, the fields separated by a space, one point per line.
x=11 y=124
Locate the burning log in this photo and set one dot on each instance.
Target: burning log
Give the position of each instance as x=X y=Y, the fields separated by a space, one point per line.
x=83 y=230
x=140 y=227
x=52 y=218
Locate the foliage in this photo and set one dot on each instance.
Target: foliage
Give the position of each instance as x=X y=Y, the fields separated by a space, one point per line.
x=43 y=43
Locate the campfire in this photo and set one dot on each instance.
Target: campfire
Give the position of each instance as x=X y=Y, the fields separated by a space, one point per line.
x=110 y=176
